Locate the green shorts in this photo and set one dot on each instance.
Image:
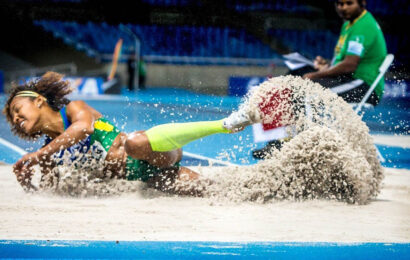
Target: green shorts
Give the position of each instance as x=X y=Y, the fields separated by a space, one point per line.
x=142 y=170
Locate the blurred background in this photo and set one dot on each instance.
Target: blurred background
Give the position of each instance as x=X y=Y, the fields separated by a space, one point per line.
x=192 y=44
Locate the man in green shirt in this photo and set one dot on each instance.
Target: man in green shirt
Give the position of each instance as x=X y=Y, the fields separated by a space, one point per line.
x=359 y=52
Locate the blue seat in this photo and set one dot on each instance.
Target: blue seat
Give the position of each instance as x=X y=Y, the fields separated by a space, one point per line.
x=162 y=40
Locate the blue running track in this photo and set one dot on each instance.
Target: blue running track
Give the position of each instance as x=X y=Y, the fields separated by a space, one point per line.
x=200 y=250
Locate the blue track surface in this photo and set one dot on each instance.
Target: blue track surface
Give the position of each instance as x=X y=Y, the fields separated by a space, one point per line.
x=203 y=250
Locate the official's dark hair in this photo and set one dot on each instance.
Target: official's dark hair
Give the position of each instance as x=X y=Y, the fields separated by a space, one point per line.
x=362 y=3
x=51 y=86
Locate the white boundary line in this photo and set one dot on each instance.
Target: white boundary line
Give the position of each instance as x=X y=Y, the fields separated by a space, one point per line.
x=402 y=141
x=197 y=156
x=101 y=97
x=12 y=146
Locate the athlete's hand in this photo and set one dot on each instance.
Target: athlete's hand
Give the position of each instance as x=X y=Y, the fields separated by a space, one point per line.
x=23 y=168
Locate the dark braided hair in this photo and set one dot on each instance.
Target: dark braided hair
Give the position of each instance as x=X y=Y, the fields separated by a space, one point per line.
x=51 y=86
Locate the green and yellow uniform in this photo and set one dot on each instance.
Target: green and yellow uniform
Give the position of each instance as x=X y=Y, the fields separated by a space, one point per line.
x=98 y=144
x=105 y=133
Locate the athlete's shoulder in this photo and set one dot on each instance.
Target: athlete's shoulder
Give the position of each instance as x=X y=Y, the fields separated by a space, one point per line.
x=76 y=103
x=78 y=108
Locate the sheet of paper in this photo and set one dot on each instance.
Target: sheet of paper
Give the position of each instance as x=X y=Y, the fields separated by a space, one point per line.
x=294 y=65
x=295 y=57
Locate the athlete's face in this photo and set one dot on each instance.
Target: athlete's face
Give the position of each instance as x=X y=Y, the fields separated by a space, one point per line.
x=25 y=113
x=348 y=9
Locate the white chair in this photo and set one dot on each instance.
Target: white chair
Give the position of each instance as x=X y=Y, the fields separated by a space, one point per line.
x=382 y=70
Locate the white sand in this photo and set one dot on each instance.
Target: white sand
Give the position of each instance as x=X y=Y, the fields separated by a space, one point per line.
x=156 y=216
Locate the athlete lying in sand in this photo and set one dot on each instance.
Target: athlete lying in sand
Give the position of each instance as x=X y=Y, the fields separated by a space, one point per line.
x=39 y=108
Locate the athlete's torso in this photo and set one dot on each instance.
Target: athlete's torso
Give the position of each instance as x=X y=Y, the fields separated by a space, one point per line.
x=97 y=146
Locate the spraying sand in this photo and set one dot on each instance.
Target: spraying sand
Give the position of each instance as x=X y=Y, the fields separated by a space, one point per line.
x=331 y=156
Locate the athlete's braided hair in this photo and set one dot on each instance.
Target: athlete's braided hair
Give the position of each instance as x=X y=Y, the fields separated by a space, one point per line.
x=51 y=86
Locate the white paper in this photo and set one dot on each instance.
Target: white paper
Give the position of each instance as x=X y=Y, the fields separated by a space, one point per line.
x=295 y=61
x=294 y=65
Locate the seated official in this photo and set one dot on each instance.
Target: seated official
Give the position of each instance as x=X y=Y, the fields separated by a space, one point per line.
x=359 y=52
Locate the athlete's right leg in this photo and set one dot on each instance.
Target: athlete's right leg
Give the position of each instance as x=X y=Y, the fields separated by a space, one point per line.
x=137 y=145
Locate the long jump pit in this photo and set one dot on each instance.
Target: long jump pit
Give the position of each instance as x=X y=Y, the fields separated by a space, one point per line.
x=154 y=216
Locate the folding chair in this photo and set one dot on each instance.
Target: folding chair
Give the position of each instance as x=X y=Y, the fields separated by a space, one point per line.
x=382 y=70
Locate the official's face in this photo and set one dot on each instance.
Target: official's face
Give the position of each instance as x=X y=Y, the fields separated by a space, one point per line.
x=348 y=9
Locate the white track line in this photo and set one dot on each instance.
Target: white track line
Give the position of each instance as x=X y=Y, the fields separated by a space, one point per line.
x=402 y=141
x=12 y=146
x=388 y=140
x=101 y=97
x=197 y=156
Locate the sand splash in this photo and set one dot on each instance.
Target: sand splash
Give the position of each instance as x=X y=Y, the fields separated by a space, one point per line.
x=331 y=155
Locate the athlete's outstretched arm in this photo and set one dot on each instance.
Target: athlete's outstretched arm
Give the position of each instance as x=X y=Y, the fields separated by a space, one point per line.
x=82 y=124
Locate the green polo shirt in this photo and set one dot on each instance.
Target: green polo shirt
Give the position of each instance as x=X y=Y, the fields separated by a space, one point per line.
x=363 y=37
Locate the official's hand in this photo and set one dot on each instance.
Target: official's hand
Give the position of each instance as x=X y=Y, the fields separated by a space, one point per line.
x=311 y=75
x=320 y=63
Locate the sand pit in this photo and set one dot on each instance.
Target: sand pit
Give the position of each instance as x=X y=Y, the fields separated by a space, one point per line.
x=325 y=184
x=331 y=155
x=150 y=215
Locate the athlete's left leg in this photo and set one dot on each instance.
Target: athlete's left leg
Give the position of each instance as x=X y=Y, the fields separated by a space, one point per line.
x=160 y=145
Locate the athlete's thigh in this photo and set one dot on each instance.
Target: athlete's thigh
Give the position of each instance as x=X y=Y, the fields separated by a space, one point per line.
x=138 y=147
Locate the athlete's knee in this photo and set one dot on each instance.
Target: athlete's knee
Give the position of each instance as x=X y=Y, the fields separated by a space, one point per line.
x=137 y=144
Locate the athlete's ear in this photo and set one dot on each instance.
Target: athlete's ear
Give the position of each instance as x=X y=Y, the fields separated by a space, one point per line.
x=39 y=101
